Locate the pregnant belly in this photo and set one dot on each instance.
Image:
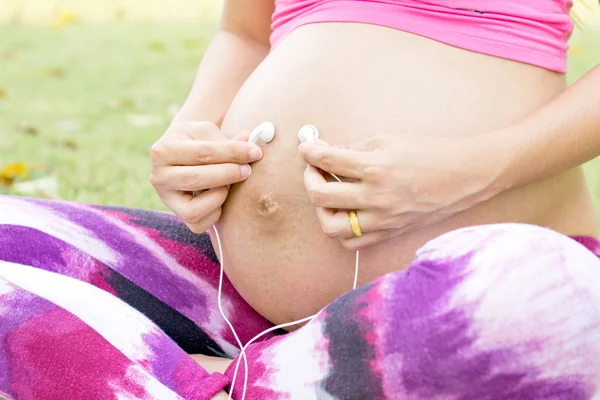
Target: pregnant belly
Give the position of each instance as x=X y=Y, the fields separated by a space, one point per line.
x=355 y=81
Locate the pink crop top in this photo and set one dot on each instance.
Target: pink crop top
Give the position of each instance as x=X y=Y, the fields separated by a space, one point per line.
x=530 y=31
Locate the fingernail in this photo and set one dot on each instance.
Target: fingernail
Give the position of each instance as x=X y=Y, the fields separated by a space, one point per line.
x=245 y=171
x=255 y=154
x=301 y=147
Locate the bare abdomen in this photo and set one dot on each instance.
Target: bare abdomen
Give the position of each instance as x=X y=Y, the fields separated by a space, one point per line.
x=356 y=81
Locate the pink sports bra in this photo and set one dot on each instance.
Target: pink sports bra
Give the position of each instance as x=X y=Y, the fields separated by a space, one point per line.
x=530 y=31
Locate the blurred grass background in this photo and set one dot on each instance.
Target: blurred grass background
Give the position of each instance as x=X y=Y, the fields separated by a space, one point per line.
x=87 y=86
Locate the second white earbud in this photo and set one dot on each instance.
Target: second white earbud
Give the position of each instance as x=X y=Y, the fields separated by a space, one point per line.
x=264 y=132
x=308 y=134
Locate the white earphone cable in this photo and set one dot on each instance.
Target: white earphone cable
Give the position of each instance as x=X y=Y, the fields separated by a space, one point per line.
x=269 y=129
x=243 y=347
x=221 y=273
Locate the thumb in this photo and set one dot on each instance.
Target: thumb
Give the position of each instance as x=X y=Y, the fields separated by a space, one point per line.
x=368 y=145
x=243 y=136
x=361 y=146
x=195 y=130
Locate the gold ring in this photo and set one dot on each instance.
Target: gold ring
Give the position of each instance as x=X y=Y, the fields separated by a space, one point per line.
x=354 y=223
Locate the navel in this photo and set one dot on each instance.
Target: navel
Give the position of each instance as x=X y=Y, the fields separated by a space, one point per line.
x=267 y=205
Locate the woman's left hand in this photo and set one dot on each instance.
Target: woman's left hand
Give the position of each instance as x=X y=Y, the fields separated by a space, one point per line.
x=399 y=183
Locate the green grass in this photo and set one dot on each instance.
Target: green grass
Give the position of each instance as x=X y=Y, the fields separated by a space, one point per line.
x=78 y=87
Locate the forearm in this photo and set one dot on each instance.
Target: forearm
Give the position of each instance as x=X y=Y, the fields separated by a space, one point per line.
x=559 y=136
x=228 y=61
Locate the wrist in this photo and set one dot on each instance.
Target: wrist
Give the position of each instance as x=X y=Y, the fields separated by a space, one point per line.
x=494 y=154
x=189 y=113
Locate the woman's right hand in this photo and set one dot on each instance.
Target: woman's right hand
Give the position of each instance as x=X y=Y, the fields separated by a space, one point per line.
x=194 y=156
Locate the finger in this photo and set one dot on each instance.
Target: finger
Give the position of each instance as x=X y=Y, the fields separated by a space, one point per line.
x=194 y=209
x=206 y=223
x=172 y=151
x=242 y=136
x=348 y=195
x=202 y=177
x=336 y=224
x=368 y=145
x=357 y=243
x=197 y=130
x=348 y=163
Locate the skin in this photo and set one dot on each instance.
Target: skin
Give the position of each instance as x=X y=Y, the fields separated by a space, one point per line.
x=192 y=146
x=529 y=150
x=213 y=364
x=423 y=180
x=439 y=122
x=185 y=162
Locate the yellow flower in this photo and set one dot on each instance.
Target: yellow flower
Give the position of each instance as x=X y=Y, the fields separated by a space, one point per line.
x=64 y=18
x=577 y=51
x=12 y=172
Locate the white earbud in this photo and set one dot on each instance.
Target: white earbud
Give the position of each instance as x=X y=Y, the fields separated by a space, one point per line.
x=308 y=134
x=264 y=132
